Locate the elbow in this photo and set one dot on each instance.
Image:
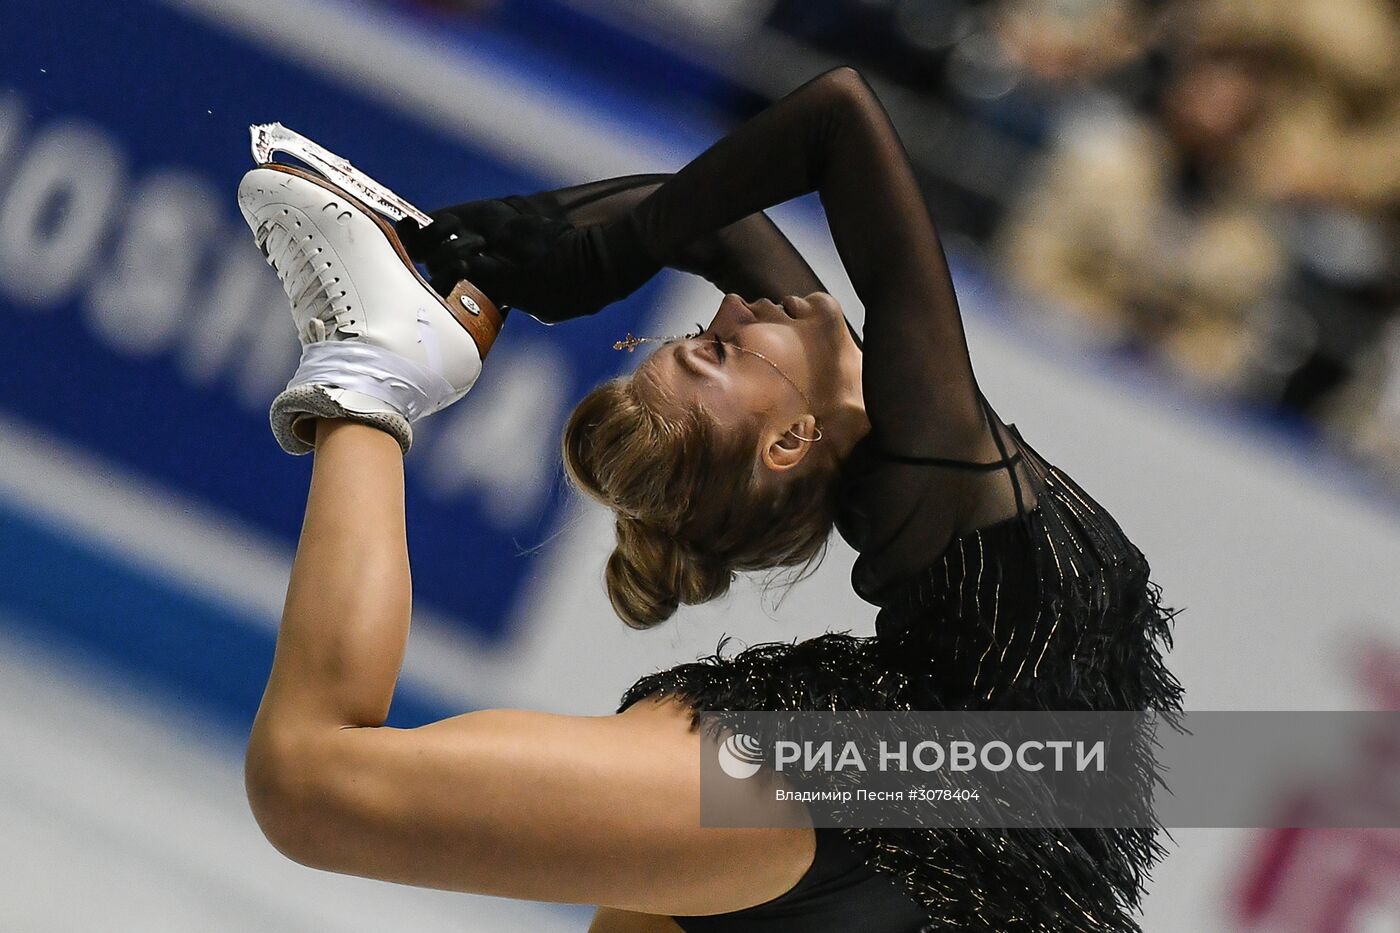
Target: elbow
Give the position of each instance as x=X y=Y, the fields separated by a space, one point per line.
x=282 y=778
x=849 y=84
x=847 y=99
x=845 y=76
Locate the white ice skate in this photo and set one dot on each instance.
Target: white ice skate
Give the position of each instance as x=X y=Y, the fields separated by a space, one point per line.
x=378 y=344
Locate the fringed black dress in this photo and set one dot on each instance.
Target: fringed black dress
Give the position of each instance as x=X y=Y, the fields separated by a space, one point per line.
x=1048 y=608
x=1000 y=583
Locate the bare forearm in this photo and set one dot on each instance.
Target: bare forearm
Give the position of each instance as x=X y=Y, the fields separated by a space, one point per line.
x=346 y=619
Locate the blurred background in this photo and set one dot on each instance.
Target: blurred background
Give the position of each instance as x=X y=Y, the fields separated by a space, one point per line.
x=1173 y=227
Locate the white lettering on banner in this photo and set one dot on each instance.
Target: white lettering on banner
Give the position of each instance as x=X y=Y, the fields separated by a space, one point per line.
x=505 y=445
x=169 y=273
x=272 y=354
x=144 y=290
x=225 y=330
x=55 y=212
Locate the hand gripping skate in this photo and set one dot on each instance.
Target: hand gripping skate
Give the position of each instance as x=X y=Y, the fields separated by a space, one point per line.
x=378 y=344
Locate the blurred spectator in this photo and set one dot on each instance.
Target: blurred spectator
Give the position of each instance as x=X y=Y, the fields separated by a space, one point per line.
x=1069 y=40
x=1243 y=223
x=1329 y=162
x=1137 y=222
x=1037 y=57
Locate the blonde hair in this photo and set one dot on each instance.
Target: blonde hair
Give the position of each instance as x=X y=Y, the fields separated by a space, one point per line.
x=690 y=511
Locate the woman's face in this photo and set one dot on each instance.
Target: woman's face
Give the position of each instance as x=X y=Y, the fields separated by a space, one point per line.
x=804 y=337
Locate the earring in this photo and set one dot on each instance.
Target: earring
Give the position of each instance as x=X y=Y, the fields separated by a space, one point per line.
x=808 y=439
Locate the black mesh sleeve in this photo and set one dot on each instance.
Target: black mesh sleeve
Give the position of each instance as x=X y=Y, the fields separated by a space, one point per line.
x=831 y=136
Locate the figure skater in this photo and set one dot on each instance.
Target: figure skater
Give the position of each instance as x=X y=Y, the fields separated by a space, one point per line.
x=1000 y=583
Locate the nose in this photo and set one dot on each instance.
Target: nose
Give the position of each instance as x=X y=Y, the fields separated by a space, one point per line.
x=733 y=313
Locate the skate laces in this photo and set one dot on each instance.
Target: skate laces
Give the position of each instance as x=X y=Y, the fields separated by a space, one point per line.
x=320 y=304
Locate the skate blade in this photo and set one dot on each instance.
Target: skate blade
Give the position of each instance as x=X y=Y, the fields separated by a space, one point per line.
x=469 y=306
x=274 y=137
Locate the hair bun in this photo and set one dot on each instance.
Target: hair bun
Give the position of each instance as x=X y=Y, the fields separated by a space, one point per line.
x=683 y=473
x=652 y=572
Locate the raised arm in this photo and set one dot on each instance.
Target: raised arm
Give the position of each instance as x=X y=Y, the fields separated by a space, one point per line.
x=831 y=136
x=750 y=257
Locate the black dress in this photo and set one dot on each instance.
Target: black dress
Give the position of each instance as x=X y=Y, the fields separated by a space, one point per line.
x=1000 y=583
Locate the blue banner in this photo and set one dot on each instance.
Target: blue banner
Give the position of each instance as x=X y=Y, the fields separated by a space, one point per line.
x=141 y=322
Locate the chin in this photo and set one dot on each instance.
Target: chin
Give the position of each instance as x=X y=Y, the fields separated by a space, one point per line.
x=786 y=344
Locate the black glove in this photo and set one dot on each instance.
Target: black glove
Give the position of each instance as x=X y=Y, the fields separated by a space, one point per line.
x=444 y=246
x=521 y=253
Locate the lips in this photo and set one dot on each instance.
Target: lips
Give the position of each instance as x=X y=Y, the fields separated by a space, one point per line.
x=765 y=309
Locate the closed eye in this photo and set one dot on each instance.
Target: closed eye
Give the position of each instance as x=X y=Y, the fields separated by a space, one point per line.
x=699 y=330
